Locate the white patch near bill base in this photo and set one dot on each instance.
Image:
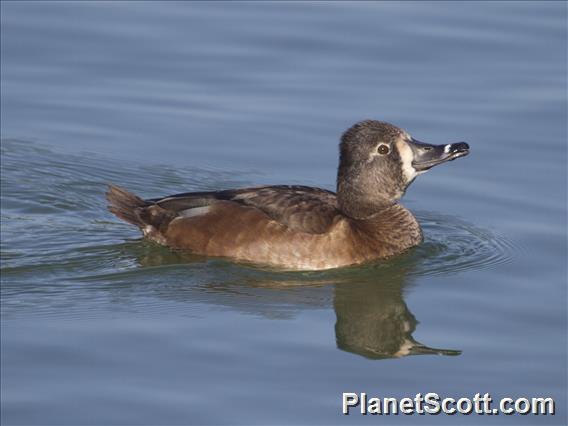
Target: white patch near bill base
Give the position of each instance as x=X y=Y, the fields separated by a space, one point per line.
x=404 y=349
x=406 y=157
x=196 y=211
x=447 y=148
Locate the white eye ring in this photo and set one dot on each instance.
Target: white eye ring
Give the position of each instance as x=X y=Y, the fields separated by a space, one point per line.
x=383 y=149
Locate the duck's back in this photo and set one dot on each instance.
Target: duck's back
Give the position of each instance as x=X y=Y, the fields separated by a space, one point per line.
x=300 y=208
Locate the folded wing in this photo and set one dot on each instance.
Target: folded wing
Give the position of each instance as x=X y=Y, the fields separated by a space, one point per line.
x=300 y=208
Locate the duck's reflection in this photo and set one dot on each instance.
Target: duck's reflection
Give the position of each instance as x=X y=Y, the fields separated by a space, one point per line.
x=374 y=321
x=372 y=318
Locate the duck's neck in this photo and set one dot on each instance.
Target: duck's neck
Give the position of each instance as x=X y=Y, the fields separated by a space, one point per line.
x=362 y=191
x=360 y=198
x=362 y=205
x=390 y=231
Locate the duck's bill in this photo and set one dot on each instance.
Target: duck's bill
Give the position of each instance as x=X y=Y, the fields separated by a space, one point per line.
x=420 y=349
x=426 y=156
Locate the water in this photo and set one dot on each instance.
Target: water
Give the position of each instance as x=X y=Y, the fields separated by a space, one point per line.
x=99 y=326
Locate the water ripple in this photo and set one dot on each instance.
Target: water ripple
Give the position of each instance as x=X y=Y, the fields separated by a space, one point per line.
x=452 y=245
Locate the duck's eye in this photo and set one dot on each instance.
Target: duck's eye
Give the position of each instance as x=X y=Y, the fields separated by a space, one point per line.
x=383 y=149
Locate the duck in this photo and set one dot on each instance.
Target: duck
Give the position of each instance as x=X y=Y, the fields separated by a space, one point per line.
x=294 y=227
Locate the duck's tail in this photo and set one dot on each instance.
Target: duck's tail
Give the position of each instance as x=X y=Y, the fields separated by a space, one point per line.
x=152 y=219
x=125 y=205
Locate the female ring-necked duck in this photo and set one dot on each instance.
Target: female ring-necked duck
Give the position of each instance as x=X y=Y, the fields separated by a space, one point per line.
x=300 y=227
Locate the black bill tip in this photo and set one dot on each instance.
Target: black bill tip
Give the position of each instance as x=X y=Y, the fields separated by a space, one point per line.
x=459 y=147
x=456 y=150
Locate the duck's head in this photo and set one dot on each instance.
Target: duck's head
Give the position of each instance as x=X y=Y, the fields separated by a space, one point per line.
x=377 y=163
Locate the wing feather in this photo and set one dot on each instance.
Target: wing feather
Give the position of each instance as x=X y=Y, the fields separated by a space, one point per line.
x=301 y=208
